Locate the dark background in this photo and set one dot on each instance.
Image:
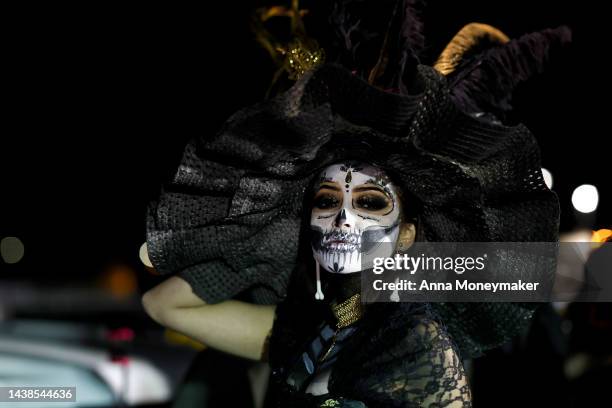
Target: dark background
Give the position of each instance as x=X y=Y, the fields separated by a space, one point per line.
x=99 y=101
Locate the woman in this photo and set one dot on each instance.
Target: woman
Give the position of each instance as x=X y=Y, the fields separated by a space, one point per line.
x=263 y=222
x=353 y=204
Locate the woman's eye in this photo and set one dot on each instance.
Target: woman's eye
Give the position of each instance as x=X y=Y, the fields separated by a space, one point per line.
x=372 y=202
x=325 y=202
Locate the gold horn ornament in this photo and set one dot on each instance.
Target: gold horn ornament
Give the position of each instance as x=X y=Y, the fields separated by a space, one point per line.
x=465 y=40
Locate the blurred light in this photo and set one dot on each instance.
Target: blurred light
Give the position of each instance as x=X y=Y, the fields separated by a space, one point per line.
x=581 y=235
x=601 y=235
x=144 y=256
x=176 y=338
x=585 y=198
x=548 y=178
x=11 y=250
x=120 y=334
x=53 y=363
x=121 y=360
x=120 y=280
x=142 y=384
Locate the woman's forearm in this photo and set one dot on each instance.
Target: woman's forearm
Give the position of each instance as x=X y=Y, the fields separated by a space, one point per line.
x=232 y=326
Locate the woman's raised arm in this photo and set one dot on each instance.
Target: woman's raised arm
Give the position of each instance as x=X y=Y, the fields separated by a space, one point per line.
x=232 y=326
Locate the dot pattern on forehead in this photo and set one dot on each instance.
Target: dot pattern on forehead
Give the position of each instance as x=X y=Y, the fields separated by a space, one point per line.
x=349 y=168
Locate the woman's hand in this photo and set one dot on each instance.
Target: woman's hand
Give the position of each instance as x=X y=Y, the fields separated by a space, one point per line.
x=232 y=326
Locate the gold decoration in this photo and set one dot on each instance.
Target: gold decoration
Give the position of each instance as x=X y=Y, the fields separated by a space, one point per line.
x=468 y=37
x=349 y=311
x=301 y=59
x=294 y=57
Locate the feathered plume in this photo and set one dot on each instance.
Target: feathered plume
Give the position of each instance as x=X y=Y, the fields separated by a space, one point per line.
x=486 y=81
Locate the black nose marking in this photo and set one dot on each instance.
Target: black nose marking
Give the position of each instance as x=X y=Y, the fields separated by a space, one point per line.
x=341 y=218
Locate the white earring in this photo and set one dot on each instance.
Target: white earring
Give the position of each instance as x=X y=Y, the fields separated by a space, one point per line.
x=395 y=295
x=319 y=295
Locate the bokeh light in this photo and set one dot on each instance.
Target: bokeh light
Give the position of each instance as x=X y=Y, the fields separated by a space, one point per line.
x=120 y=280
x=585 y=198
x=601 y=235
x=11 y=250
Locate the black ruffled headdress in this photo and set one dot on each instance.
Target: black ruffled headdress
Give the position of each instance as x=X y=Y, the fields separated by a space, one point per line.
x=229 y=221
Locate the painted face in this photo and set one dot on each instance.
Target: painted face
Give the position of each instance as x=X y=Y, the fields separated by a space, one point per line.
x=355 y=208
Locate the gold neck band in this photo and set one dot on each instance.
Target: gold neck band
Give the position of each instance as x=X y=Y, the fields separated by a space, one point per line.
x=349 y=311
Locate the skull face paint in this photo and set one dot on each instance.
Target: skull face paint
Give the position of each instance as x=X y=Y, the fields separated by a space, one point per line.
x=355 y=208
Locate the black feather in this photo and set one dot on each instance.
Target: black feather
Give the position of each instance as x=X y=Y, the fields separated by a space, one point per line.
x=487 y=81
x=361 y=28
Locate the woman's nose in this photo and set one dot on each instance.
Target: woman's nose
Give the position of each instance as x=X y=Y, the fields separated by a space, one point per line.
x=340 y=220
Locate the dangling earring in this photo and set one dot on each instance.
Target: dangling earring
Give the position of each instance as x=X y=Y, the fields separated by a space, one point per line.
x=395 y=294
x=319 y=295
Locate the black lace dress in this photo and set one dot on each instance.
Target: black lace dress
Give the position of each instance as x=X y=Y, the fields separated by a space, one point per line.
x=397 y=355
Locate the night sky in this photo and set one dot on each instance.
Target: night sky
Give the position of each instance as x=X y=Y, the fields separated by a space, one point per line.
x=99 y=102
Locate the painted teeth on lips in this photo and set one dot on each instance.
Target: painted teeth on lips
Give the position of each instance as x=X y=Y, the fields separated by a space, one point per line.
x=343 y=238
x=341 y=241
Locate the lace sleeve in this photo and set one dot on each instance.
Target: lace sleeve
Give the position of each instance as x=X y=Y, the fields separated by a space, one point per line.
x=436 y=376
x=422 y=370
x=419 y=369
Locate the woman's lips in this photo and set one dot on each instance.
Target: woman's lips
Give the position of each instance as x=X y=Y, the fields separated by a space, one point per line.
x=340 y=241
